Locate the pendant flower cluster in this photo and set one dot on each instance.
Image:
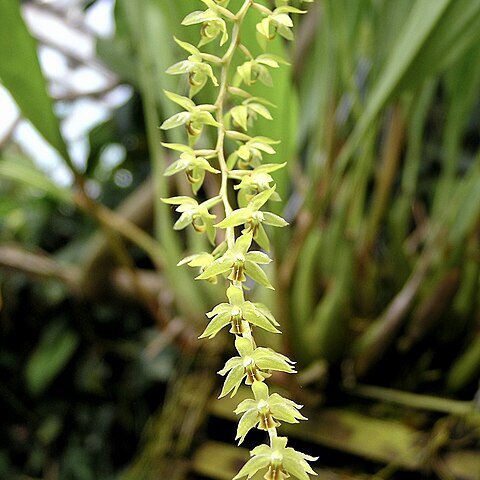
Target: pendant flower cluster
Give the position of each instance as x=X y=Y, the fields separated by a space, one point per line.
x=234 y=161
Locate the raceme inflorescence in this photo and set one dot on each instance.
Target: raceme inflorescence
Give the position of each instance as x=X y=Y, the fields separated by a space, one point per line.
x=237 y=159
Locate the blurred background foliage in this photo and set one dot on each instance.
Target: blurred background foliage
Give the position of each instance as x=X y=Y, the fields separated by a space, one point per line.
x=377 y=278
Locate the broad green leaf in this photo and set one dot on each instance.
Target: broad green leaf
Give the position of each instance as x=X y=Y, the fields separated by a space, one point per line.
x=50 y=356
x=423 y=47
x=21 y=74
x=148 y=25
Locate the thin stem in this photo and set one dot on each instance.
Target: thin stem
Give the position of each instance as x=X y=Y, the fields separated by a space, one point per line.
x=424 y=402
x=124 y=227
x=219 y=104
x=272 y=433
x=220 y=147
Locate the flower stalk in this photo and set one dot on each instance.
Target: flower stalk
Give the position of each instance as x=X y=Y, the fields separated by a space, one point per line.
x=234 y=259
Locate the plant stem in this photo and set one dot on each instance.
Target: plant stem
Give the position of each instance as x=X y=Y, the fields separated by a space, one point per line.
x=219 y=104
x=220 y=147
x=423 y=402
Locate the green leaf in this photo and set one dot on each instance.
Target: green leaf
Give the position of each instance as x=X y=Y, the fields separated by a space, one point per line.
x=15 y=168
x=50 y=356
x=21 y=74
x=426 y=42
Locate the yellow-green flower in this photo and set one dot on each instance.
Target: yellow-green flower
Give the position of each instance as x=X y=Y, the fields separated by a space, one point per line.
x=265 y=411
x=239 y=314
x=281 y=461
x=252 y=364
x=253 y=218
x=195 y=214
x=239 y=262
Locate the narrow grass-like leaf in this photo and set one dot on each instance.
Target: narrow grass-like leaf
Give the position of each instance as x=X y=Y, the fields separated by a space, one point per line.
x=21 y=74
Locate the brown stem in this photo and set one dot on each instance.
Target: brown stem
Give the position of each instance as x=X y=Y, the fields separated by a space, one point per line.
x=39 y=264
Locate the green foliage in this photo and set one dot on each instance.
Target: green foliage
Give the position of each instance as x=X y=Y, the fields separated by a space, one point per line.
x=28 y=90
x=54 y=350
x=376 y=274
